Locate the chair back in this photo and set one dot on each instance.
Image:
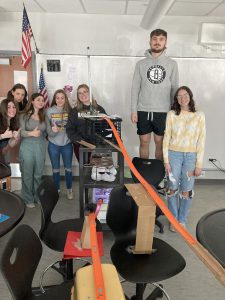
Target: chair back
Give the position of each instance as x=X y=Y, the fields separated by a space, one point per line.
x=5 y=174
x=152 y=170
x=5 y=170
x=19 y=261
x=48 y=196
x=122 y=214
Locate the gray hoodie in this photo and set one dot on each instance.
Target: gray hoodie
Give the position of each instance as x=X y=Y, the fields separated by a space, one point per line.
x=154 y=84
x=56 y=115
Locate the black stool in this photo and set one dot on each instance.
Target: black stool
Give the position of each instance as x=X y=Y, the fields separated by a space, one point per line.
x=141 y=269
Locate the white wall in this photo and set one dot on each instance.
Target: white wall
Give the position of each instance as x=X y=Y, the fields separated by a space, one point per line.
x=106 y=35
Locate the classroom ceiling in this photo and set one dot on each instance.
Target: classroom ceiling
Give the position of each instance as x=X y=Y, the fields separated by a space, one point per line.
x=212 y=8
x=150 y=11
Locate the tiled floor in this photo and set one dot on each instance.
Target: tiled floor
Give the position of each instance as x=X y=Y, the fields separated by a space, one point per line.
x=195 y=282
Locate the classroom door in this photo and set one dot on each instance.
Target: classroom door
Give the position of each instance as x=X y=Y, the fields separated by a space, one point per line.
x=11 y=73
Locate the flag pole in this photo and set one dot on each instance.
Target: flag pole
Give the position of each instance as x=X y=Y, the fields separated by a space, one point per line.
x=37 y=50
x=89 y=80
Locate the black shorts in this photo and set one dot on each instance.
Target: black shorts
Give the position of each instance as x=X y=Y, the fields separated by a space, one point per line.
x=151 y=122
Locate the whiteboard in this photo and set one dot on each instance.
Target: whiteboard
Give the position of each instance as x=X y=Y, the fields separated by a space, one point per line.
x=111 y=80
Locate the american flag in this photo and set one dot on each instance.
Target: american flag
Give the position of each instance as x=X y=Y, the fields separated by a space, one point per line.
x=26 y=36
x=42 y=88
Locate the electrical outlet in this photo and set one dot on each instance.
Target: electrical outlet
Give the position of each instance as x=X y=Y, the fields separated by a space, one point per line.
x=202 y=174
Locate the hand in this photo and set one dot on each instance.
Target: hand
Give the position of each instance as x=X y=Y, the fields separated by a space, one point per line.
x=134 y=117
x=16 y=134
x=7 y=134
x=197 y=171
x=36 y=132
x=55 y=128
x=167 y=168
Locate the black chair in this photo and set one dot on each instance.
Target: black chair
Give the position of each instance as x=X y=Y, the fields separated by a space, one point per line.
x=153 y=172
x=5 y=176
x=54 y=234
x=141 y=269
x=19 y=262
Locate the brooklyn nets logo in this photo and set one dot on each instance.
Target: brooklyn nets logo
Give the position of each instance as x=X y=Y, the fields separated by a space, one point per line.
x=156 y=74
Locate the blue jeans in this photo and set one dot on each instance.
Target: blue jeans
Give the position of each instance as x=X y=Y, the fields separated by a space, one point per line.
x=67 y=156
x=182 y=164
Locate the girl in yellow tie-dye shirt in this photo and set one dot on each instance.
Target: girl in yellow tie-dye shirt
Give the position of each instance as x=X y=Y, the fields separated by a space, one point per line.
x=183 y=150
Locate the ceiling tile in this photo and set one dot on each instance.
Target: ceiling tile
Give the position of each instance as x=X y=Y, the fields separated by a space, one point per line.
x=61 y=6
x=17 y=6
x=191 y=9
x=219 y=11
x=205 y=1
x=105 y=7
x=136 y=7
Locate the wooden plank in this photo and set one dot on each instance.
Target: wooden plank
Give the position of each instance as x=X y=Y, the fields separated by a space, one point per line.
x=145 y=219
x=139 y=194
x=86 y=144
x=85 y=235
x=145 y=230
x=110 y=143
x=210 y=262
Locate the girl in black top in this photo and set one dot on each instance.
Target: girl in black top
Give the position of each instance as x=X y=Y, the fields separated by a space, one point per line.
x=75 y=127
x=9 y=126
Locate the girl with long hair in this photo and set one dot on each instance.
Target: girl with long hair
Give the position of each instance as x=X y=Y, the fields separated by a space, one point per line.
x=75 y=127
x=60 y=145
x=183 y=150
x=9 y=127
x=34 y=129
x=19 y=94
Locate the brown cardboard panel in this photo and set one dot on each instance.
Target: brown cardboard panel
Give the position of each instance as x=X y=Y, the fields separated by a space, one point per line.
x=146 y=218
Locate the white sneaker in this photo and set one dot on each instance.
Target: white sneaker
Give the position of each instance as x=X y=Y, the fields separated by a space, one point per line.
x=108 y=177
x=69 y=194
x=98 y=170
x=112 y=170
x=97 y=173
x=171 y=228
x=30 y=205
x=182 y=224
x=96 y=176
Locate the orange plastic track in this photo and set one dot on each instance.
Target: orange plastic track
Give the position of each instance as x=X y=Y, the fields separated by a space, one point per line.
x=97 y=268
